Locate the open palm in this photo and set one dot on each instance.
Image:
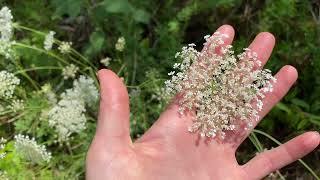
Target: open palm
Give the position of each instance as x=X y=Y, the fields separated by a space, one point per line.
x=168 y=151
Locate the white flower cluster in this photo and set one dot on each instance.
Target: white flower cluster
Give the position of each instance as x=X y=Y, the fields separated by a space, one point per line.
x=121 y=43
x=6 y=31
x=65 y=47
x=67 y=116
x=219 y=86
x=70 y=71
x=49 y=40
x=2 y=144
x=17 y=105
x=6 y=49
x=50 y=95
x=8 y=83
x=29 y=149
x=4 y=175
x=159 y=94
x=105 y=61
x=84 y=89
x=6 y=24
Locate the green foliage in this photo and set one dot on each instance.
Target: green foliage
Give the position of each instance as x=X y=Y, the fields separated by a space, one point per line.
x=154 y=31
x=68 y=7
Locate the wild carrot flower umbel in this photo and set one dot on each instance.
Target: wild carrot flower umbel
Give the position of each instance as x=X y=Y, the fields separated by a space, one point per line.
x=105 y=61
x=83 y=89
x=8 y=83
x=70 y=71
x=29 y=149
x=65 y=47
x=16 y=105
x=49 y=40
x=68 y=115
x=6 y=24
x=121 y=43
x=225 y=90
x=6 y=32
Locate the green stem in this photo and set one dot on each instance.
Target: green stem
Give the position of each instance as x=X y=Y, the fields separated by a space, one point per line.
x=38 y=68
x=84 y=58
x=121 y=68
x=33 y=83
x=76 y=61
x=45 y=52
x=18 y=26
x=258 y=142
x=254 y=139
x=41 y=51
x=57 y=42
x=135 y=64
x=94 y=77
x=255 y=143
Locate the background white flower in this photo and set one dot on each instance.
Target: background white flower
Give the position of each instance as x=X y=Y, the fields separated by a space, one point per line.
x=29 y=149
x=2 y=144
x=8 y=83
x=84 y=89
x=120 y=45
x=17 y=105
x=65 y=47
x=4 y=175
x=105 y=61
x=70 y=71
x=6 y=24
x=67 y=117
x=49 y=40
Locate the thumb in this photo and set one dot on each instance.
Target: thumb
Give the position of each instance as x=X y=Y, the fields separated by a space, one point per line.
x=113 y=120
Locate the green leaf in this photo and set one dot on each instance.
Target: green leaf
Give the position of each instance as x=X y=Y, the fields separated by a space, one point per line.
x=302 y=124
x=300 y=103
x=69 y=7
x=227 y=3
x=314 y=121
x=283 y=107
x=118 y=6
x=97 y=42
x=141 y=16
x=314 y=116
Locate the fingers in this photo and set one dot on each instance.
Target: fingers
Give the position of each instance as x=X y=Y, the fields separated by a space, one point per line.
x=274 y=159
x=227 y=30
x=263 y=45
x=114 y=112
x=286 y=77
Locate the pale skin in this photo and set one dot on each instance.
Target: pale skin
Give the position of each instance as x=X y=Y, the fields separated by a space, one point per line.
x=168 y=151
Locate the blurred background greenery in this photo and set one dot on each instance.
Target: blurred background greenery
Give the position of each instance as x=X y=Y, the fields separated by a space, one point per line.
x=155 y=30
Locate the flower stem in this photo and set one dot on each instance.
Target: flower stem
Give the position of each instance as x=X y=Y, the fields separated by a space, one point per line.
x=75 y=52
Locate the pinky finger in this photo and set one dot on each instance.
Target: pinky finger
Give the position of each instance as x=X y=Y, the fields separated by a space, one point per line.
x=274 y=159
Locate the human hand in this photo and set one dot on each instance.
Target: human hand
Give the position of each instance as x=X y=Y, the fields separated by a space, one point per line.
x=168 y=151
